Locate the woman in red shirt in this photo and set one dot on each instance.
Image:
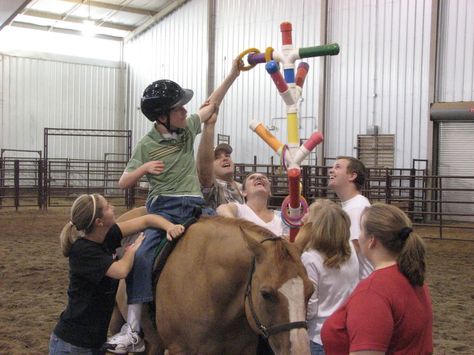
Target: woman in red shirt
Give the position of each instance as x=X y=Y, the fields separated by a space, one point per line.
x=390 y=311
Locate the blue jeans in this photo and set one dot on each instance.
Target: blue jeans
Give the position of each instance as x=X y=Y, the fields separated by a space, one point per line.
x=177 y=210
x=57 y=346
x=316 y=349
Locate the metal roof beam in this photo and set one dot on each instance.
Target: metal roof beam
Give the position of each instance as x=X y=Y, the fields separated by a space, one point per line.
x=61 y=30
x=167 y=9
x=104 y=5
x=75 y=19
x=9 y=10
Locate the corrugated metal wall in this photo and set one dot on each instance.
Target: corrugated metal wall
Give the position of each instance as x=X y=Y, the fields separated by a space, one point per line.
x=456 y=51
x=455 y=159
x=381 y=76
x=38 y=93
x=176 y=48
x=242 y=24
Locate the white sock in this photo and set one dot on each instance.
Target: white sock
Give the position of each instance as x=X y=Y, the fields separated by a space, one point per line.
x=134 y=315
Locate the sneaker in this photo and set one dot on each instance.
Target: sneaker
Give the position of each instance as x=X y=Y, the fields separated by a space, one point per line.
x=126 y=341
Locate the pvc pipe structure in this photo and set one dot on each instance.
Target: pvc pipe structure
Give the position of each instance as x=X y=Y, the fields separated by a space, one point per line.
x=274 y=71
x=307 y=52
x=301 y=73
x=303 y=151
x=280 y=83
x=286 y=28
x=289 y=87
x=294 y=188
x=318 y=51
x=265 y=134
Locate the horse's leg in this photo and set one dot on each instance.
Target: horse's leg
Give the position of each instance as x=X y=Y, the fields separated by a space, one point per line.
x=153 y=342
x=175 y=349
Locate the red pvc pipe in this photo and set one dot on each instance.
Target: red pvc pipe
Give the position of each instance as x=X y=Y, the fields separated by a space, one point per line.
x=301 y=73
x=293 y=233
x=285 y=28
x=294 y=187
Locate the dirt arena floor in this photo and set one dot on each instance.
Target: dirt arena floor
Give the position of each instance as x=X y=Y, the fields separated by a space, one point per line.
x=34 y=279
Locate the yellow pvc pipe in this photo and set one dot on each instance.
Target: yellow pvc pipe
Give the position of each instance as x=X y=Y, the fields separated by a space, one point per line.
x=293 y=134
x=265 y=134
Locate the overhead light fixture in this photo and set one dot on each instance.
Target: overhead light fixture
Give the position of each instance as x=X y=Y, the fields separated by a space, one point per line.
x=89 y=29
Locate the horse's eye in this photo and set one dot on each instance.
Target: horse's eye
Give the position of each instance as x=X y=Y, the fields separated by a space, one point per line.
x=268 y=294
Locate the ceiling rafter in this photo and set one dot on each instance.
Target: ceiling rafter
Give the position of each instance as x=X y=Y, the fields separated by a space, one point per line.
x=75 y=19
x=104 y=5
x=61 y=30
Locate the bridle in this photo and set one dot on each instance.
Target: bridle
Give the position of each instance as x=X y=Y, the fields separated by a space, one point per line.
x=267 y=331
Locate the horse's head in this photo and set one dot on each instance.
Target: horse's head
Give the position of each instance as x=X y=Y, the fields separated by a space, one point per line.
x=277 y=293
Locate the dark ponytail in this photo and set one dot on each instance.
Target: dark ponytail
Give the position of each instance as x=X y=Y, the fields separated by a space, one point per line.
x=392 y=227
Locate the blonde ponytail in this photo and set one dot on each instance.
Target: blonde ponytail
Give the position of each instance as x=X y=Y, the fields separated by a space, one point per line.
x=69 y=234
x=84 y=211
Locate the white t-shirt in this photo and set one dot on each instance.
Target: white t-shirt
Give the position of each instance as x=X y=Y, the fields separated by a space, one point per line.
x=354 y=208
x=332 y=287
x=275 y=225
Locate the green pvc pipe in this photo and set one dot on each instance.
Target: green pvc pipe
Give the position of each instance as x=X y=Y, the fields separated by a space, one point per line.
x=318 y=51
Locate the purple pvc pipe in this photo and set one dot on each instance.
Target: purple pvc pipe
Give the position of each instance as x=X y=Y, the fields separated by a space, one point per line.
x=256 y=58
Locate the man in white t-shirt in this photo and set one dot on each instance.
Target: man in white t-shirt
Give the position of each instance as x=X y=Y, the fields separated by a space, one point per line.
x=346 y=179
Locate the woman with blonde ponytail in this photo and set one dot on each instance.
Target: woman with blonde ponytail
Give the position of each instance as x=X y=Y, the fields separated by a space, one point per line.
x=390 y=311
x=331 y=262
x=89 y=240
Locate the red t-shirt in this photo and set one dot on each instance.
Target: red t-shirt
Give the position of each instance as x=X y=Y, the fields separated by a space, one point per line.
x=384 y=313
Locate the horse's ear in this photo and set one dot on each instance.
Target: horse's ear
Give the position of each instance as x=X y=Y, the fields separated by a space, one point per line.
x=303 y=237
x=254 y=246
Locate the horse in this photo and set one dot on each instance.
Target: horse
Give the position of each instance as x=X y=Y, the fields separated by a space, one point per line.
x=226 y=282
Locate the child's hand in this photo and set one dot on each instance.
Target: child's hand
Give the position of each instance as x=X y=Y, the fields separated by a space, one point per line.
x=175 y=231
x=237 y=64
x=136 y=244
x=207 y=109
x=212 y=120
x=154 y=167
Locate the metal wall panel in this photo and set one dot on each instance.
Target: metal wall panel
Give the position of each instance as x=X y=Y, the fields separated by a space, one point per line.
x=455 y=154
x=381 y=76
x=175 y=48
x=456 y=51
x=244 y=24
x=38 y=93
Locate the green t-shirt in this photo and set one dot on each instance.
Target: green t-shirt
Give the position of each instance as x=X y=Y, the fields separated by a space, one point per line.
x=179 y=176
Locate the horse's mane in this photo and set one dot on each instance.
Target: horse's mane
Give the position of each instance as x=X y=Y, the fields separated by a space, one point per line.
x=240 y=223
x=282 y=251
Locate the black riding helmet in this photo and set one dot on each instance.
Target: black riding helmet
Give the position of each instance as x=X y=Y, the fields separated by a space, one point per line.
x=160 y=97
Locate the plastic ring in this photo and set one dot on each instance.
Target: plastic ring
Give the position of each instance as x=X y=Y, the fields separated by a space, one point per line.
x=292 y=221
x=241 y=56
x=268 y=54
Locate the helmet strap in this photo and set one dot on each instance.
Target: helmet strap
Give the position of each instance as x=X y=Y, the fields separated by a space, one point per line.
x=167 y=124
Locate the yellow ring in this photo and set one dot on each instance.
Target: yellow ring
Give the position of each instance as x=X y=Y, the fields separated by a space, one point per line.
x=268 y=54
x=247 y=51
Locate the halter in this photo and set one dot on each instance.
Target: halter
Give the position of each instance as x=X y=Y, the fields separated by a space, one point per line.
x=268 y=331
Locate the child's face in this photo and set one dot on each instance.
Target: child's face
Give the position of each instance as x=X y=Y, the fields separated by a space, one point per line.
x=178 y=117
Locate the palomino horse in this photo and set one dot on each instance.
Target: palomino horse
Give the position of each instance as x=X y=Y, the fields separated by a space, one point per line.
x=227 y=281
